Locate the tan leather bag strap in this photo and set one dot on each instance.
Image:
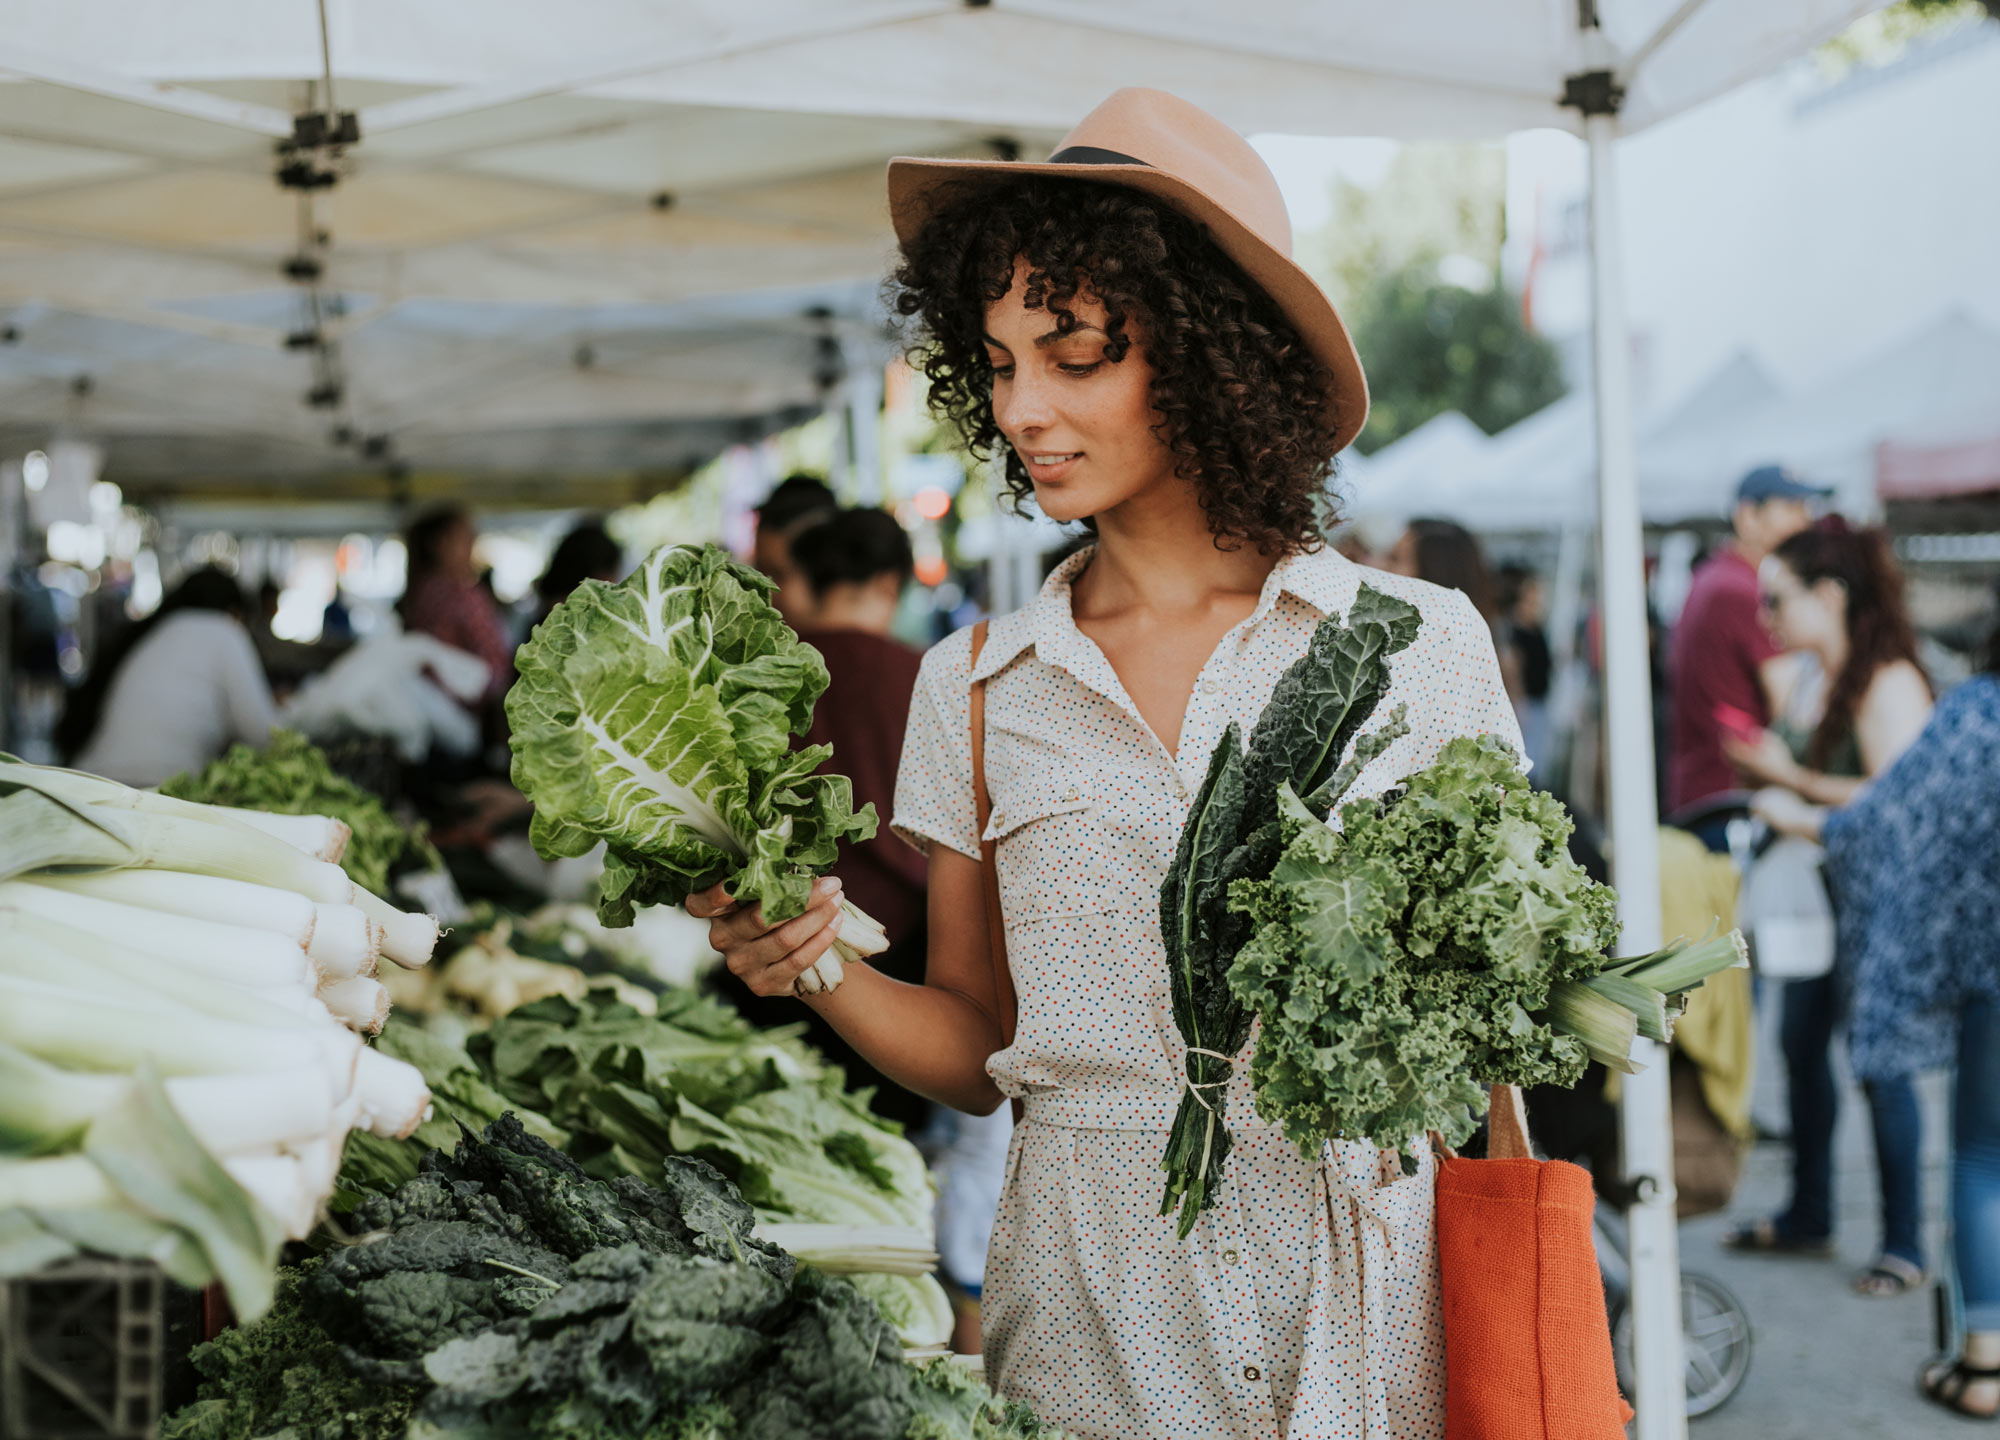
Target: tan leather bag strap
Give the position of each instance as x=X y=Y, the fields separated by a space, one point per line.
x=1506 y=1125
x=1005 y=1005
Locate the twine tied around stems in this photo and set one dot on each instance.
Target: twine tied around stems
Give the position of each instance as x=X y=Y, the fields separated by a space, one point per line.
x=1195 y=1087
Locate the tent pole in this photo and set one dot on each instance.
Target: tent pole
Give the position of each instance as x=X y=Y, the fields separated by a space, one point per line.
x=1645 y=1124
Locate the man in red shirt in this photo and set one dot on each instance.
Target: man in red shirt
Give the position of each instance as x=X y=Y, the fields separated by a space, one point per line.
x=1716 y=662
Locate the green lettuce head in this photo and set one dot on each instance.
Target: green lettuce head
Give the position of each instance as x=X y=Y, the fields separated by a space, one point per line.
x=656 y=715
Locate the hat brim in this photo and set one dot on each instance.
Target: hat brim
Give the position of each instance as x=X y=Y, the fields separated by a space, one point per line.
x=915 y=184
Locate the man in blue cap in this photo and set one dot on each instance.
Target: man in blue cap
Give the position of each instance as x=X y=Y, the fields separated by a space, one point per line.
x=1720 y=649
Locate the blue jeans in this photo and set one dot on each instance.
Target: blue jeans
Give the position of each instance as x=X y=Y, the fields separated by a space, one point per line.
x=1975 y=1164
x=1806 y=1026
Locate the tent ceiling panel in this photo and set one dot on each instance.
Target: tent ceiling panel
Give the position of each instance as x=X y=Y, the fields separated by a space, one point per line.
x=511 y=152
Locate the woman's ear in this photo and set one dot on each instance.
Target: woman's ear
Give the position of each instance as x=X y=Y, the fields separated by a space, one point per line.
x=1830 y=593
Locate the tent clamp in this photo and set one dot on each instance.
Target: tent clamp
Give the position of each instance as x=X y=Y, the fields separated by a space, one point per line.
x=309 y=159
x=1593 y=92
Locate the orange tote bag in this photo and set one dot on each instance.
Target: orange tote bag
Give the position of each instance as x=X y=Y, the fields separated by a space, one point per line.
x=1527 y=1341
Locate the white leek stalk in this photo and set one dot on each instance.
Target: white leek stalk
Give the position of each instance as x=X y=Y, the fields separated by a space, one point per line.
x=345 y=943
x=394 y=1098
x=234 y=953
x=320 y=836
x=279 y=1184
x=86 y=1030
x=42 y=1106
x=407 y=938
x=358 y=1003
x=202 y=897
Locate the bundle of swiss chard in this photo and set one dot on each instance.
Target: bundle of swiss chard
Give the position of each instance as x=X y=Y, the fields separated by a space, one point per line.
x=655 y=716
x=1437 y=940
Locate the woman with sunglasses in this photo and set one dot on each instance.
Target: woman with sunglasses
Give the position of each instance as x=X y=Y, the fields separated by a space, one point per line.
x=1123 y=327
x=1834 y=595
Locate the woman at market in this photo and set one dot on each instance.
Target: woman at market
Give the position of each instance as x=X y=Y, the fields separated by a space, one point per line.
x=1123 y=326
x=442 y=595
x=1912 y=856
x=173 y=691
x=1834 y=596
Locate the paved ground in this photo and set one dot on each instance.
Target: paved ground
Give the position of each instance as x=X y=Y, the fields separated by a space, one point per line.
x=1829 y=1364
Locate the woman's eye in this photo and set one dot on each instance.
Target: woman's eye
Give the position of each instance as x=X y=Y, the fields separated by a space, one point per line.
x=1080 y=369
x=1001 y=372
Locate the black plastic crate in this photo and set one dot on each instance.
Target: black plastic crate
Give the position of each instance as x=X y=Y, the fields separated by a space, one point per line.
x=80 y=1351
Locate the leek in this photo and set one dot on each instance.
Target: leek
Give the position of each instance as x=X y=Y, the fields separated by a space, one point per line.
x=235 y=953
x=200 y=897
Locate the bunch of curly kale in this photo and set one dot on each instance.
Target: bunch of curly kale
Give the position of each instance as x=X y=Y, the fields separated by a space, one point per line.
x=505 y=1293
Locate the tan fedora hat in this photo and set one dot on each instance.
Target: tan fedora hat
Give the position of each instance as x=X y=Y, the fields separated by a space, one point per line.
x=1159 y=143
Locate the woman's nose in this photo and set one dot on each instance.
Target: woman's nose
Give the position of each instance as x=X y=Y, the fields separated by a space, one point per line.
x=1022 y=406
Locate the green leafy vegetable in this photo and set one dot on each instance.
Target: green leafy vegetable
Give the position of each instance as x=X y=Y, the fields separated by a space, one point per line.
x=656 y=716
x=1232 y=832
x=1438 y=941
x=291 y=776
x=503 y=1292
x=284 y=1374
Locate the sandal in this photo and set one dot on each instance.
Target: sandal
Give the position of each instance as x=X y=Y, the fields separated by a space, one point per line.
x=1946 y=1382
x=1889 y=1275
x=1765 y=1238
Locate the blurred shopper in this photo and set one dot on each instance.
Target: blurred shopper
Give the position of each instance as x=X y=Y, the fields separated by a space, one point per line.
x=1912 y=857
x=173 y=691
x=851 y=570
x=1717 y=659
x=1522 y=604
x=587 y=552
x=1836 y=595
x=800 y=501
x=1446 y=553
x=443 y=596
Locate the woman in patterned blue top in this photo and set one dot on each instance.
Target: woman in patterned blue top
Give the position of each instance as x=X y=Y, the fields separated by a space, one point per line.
x=1913 y=858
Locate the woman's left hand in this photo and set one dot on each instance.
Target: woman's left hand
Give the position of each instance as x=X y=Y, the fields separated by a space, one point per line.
x=1767 y=758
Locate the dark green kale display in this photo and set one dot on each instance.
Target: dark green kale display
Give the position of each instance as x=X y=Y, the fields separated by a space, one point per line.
x=506 y=1294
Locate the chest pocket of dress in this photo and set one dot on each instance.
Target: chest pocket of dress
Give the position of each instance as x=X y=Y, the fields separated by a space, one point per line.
x=1050 y=849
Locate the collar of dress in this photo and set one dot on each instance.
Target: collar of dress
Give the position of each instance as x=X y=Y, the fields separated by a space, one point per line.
x=1323 y=579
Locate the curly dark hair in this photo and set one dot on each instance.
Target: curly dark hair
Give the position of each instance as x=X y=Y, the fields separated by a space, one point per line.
x=1245 y=406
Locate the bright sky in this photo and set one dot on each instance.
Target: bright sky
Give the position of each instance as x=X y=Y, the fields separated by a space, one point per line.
x=1306 y=166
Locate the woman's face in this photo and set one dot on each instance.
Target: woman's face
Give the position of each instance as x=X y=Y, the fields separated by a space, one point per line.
x=1801 y=616
x=1082 y=424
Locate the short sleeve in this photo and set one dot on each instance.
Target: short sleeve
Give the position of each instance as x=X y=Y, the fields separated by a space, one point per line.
x=934 y=804
x=1475 y=697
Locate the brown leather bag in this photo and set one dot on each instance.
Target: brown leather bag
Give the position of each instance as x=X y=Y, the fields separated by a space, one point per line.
x=1006 y=1007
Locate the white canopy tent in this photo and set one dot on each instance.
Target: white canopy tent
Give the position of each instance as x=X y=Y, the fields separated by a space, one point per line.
x=1539 y=473
x=513 y=151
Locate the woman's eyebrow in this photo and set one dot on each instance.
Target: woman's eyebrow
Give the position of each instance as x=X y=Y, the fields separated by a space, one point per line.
x=1042 y=342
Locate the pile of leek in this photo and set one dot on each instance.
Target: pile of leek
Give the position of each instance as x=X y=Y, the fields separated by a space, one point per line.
x=184 y=996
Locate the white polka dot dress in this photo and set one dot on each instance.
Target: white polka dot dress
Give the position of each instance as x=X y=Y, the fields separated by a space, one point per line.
x=1305 y=1304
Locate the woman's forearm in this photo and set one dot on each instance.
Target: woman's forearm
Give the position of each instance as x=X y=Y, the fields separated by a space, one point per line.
x=925 y=1038
x=1830 y=790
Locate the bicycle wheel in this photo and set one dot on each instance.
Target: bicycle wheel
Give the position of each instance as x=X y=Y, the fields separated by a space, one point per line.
x=1715 y=1342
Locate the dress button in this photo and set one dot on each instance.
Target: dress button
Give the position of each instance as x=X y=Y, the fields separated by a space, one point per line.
x=1072 y=794
x=1251 y=1372
x=1230 y=1257
x=1211 y=687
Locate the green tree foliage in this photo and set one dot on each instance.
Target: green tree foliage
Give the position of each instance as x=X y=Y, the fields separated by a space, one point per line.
x=1432 y=347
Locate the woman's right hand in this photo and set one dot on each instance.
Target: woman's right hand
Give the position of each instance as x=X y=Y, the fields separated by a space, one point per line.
x=769 y=958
